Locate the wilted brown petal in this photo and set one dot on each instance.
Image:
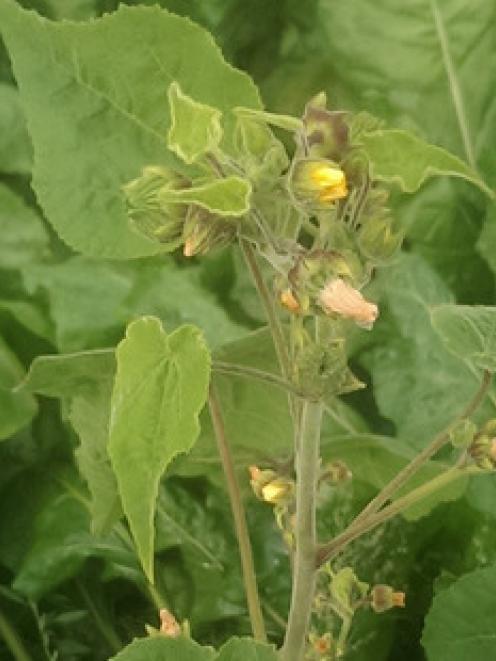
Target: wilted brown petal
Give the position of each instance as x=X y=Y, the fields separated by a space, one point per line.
x=340 y=297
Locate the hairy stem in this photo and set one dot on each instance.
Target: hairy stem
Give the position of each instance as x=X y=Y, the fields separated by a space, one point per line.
x=12 y=640
x=245 y=550
x=336 y=545
x=254 y=373
x=417 y=462
x=270 y=311
x=304 y=575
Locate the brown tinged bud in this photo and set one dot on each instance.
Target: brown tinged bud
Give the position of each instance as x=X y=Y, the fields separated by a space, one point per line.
x=340 y=298
x=204 y=231
x=337 y=472
x=289 y=301
x=169 y=626
x=383 y=598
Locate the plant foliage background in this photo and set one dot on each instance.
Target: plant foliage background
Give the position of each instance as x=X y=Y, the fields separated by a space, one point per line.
x=428 y=67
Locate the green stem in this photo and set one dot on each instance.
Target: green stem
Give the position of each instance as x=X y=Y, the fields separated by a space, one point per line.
x=12 y=640
x=103 y=626
x=245 y=550
x=417 y=462
x=336 y=545
x=253 y=373
x=270 y=311
x=304 y=576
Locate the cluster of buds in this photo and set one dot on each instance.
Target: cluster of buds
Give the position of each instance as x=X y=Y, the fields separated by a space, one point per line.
x=321 y=282
x=382 y=598
x=174 y=223
x=268 y=486
x=483 y=448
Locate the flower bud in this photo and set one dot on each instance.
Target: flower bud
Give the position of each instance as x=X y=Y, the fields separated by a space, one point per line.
x=336 y=472
x=317 y=183
x=278 y=491
x=158 y=221
x=203 y=231
x=377 y=242
x=289 y=301
x=462 y=435
x=483 y=451
x=340 y=298
x=270 y=487
x=169 y=626
x=326 y=132
x=383 y=598
x=322 y=645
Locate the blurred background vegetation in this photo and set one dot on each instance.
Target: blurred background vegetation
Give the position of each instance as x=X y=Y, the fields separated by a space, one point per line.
x=423 y=65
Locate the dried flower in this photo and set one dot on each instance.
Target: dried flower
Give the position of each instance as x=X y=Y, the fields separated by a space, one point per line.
x=383 y=598
x=341 y=298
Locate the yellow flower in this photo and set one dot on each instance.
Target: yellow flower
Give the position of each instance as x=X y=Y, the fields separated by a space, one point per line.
x=331 y=182
x=317 y=183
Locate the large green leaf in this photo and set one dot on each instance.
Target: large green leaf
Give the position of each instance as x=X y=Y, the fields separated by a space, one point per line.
x=160 y=388
x=95 y=95
x=65 y=376
x=246 y=649
x=184 y=649
x=89 y=415
x=15 y=147
x=24 y=238
x=61 y=543
x=17 y=408
x=416 y=69
x=92 y=300
x=402 y=158
x=460 y=623
x=160 y=648
x=469 y=332
x=418 y=383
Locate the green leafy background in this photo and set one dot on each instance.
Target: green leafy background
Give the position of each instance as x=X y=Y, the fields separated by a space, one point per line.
x=70 y=582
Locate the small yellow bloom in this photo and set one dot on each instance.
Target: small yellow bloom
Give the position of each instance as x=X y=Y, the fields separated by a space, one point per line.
x=276 y=491
x=317 y=183
x=331 y=181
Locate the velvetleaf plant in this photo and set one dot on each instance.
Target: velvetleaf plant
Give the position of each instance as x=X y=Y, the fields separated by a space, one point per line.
x=193 y=163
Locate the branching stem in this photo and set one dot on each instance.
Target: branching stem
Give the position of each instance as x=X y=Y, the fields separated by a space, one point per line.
x=331 y=549
x=417 y=462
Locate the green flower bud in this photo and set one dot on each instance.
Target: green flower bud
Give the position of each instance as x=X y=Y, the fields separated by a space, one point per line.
x=377 y=241
x=204 y=231
x=483 y=451
x=157 y=221
x=463 y=434
x=316 y=184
